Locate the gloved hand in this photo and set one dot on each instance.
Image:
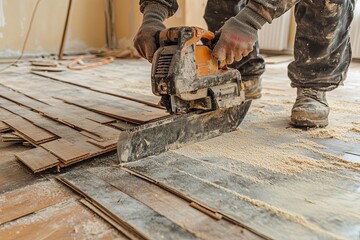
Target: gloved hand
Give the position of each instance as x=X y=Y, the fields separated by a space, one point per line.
x=238 y=36
x=144 y=41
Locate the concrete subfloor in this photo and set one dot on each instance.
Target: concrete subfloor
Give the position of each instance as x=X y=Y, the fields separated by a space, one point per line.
x=264 y=141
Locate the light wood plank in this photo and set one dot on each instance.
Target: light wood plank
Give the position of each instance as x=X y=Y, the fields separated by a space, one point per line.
x=15 y=204
x=65 y=151
x=29 y=131
x=37 y=159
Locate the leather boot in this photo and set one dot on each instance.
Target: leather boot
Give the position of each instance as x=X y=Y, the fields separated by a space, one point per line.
x=310 y=109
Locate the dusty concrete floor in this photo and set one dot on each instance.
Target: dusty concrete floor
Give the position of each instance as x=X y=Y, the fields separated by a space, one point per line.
x=265 y=141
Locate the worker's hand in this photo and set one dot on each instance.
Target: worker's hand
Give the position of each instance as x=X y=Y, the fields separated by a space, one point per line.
x=238 y=36
x=144 y=41
x=232 y=47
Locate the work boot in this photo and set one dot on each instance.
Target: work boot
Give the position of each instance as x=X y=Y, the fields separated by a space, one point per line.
x=310 y=109
x=252 y=88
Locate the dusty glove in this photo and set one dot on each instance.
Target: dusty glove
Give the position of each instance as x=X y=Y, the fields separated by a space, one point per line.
x=238 y=36
x=144 y=41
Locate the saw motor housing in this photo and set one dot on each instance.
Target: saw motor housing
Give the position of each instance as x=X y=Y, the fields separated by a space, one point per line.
x=188 y=77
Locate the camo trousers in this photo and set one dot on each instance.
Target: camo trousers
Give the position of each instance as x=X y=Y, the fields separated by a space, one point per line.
x=322 y=48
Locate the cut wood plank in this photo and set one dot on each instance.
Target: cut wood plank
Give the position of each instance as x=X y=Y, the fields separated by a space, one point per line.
x=104 y=144
x=172 y=207
x=29 y=131
x=15 y=204
x=239 y=208
x=129 y=212
x=122 y=125
x=37 y=159
x=96 y=84
x=65 y=151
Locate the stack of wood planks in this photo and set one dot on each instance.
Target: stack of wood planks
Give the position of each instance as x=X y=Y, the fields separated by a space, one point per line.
x=68 y=117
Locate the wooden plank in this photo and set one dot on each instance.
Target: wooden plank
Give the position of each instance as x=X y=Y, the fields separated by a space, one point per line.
x=176 y=209
x=270 y=221
x=68 y=220
x=29 y=131
x=122 y=125
x=97 y=84
x=108 y=219
x=63 y=131
x=3 y=127
x=37 y=159
x=15 y=204
x=130 y=212
x=72 y=120
x=20 y=83
x=100 y=103
x=65 y=151
x=119 y=110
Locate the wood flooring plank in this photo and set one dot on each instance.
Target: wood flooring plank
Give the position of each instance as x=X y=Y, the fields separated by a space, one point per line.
x=136 y=215
x=123 y=108
x=72 y=120
x=37 y=159
x=3 y=127
x=18 y=82
x=65 y=151
x=16 y=204
x=255 y=215
x=172 y=207
x=97 y=84
x=29 y=131
x=66 y=220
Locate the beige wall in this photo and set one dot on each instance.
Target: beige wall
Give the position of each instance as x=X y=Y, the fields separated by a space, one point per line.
x=86 y=26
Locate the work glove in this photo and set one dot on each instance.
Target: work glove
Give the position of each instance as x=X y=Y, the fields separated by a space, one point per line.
x=238 y=36
x=144 y=41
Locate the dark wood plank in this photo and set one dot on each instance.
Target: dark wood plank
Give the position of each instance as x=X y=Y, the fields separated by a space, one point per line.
x=37 y=159
x=132 y=213
x=256 y=215
x=29 y=131
x=65 y=151
x=172 y=207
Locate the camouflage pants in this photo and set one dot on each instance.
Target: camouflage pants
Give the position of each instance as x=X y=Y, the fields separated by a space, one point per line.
x=322 y=45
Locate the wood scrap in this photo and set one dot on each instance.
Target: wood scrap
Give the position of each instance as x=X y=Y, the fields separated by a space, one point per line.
x=48 y=69
x=11 y=137
x=37 y=159
x=44 y=63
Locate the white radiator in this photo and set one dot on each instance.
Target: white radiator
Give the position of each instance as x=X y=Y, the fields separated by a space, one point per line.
x=355 y=32
x=275 y=36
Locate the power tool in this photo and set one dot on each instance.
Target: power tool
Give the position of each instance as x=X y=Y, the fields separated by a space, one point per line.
x=204 y=97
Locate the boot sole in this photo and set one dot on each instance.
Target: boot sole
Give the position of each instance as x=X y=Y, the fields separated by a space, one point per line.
x=309 y=123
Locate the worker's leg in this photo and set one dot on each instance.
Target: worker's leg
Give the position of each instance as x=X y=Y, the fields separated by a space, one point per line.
x=251 y=67
x=322 y=56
